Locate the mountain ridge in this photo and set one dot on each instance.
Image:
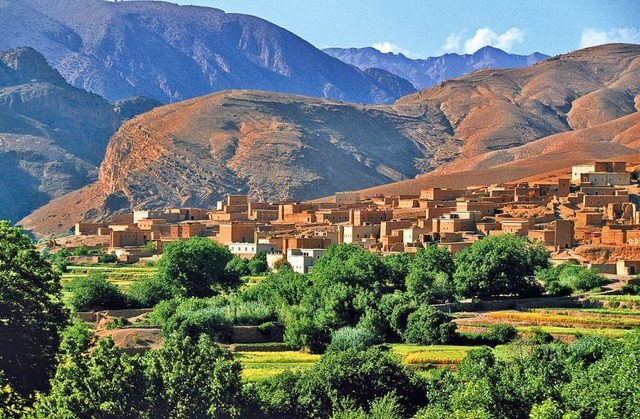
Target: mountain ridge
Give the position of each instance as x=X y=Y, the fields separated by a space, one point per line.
x=171 y=53
x=428 y=72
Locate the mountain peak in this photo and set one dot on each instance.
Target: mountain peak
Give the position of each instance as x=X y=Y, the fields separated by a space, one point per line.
x=27 y=65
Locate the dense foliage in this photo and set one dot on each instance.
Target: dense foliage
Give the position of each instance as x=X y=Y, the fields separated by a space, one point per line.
x=359 y=377
x=32 y=315
x=197 y=268
x=186 y=378
x=94 y=292
x=567 y=278
x=500 y=265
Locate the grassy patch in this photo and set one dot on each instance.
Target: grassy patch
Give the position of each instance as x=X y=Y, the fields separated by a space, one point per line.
x=430 y=354
x=261 y=365
x=566 y=319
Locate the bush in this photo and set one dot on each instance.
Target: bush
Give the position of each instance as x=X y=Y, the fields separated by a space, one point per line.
x=110 y=258
x=630 y=289
x=116 y=323
x=249 y=313
x=95 y=292
x=148 y=292
x=502 y=333
x=351 y=338
x=80 y=251
x=540 y=337
x=429 y=326
x=211 y=321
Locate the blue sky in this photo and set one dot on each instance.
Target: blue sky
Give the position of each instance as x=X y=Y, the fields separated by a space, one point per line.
x=422 y=28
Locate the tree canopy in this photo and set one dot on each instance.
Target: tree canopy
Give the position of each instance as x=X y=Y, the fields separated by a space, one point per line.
x=500 y=265
x=32 y=314
x=197 y=267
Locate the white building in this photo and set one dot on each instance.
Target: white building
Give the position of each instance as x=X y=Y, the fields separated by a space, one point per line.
x=250 y=249
x=302 y=260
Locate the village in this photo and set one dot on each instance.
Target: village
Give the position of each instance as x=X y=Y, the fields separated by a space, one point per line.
x=590 y=218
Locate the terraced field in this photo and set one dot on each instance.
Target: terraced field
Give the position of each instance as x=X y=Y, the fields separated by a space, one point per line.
x=261 y=365
x=120 y=276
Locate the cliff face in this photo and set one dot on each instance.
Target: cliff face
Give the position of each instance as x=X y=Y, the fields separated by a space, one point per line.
x=172 y=53
x=490 y=126
x=52 y=136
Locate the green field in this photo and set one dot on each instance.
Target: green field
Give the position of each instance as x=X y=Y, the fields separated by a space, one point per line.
x=261 y=365
x=120 y=276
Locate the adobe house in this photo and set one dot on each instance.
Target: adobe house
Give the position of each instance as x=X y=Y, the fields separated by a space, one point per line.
x=628 y=267
x=352 y=234
x=439 y=194
x=88 y=229
x=346 y=198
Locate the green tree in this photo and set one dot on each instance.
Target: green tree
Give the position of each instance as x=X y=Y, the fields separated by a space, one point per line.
x=32 y=314
x=95 y=292
x=197 y=267
x=107 y=384
x=193 y=378
x=239 y=266
x=429 y=326
x=397 y=266
x=258 y=263
x=430 y=277
x=149 y=291
x=500 y=265
x=361 y=377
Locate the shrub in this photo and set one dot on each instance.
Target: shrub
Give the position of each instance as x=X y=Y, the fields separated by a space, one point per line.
x=211 y=321
x=80 y=251
x=249 y=313
x=351 y=338
x=95 y=292
x=110 y=258
x=630 y=289
x=116 y=323
x=428 y=326
x=148 y=292
x=282 y=264
x=502 y=333
x=540 y=337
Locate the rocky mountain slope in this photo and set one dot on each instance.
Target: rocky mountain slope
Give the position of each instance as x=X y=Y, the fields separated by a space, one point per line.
x=428 y=72
x=171 y=53
x=52 y=135
x=492 y=125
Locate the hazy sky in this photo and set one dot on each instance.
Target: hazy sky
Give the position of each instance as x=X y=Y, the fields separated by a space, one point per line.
x=422 y=28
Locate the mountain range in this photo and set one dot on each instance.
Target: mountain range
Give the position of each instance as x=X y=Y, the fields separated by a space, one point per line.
x=172 y=53
x=423 y=73
x=491 y=125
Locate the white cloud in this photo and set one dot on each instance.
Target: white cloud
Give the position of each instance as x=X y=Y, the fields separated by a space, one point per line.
x=482 y=38
x=387 y=46
x=592 y=36
x=452 y=43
